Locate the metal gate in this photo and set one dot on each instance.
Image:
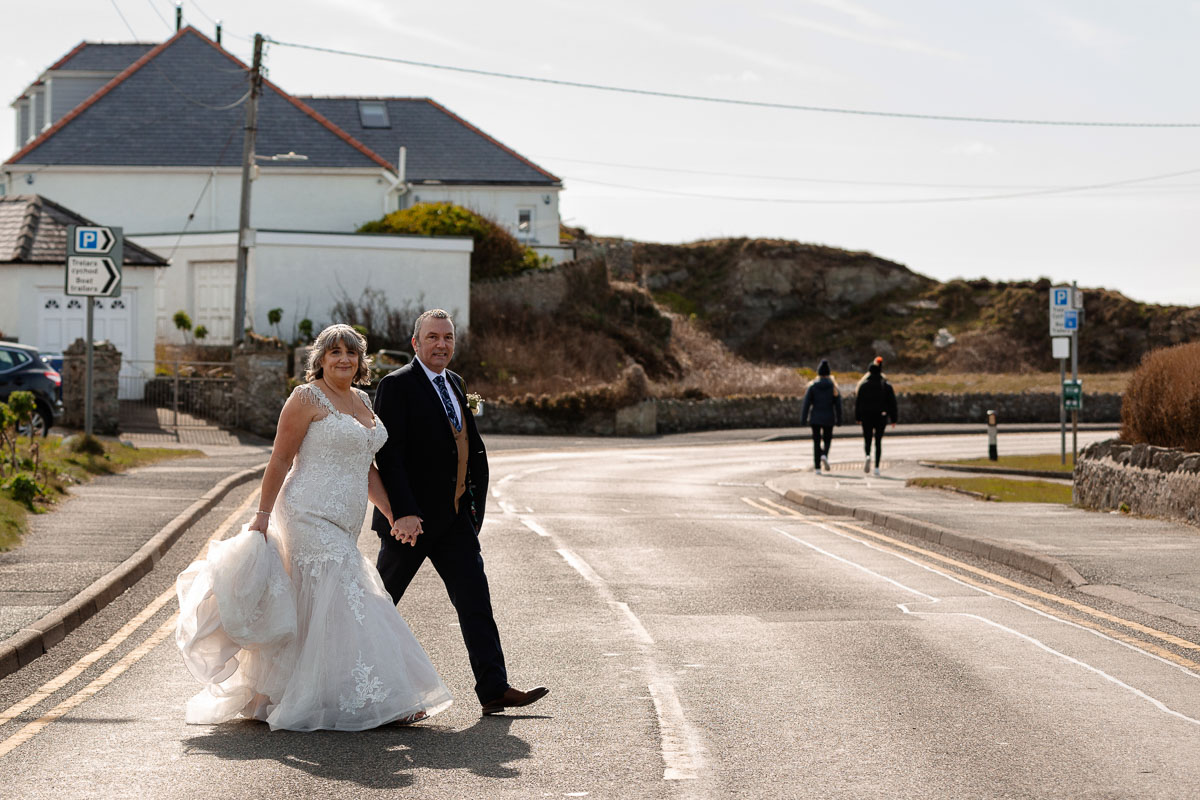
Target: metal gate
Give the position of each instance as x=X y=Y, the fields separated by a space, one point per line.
x=166 y=395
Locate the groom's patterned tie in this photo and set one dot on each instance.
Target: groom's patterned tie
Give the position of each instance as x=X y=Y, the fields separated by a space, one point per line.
x=440 y=382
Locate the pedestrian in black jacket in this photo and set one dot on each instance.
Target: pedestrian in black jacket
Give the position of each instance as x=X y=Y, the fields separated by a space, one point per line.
x=874 y=407
x=823 y=407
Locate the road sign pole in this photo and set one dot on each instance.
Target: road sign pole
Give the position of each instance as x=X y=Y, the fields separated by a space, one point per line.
x=1075 y=376
x=1062 y=407
x=87 y=394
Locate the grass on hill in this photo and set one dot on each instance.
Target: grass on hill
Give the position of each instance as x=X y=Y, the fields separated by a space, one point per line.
x=1004 y=490
x=58 y=468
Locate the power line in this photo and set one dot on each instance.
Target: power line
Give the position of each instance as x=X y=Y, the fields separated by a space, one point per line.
x=154 y=8
x=899 y=201
x=737 y=102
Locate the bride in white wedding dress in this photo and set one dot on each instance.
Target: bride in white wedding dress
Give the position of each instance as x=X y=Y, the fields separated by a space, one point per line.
x=287 y=622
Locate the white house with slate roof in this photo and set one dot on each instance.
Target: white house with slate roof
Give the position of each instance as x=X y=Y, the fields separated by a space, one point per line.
x=149 y=138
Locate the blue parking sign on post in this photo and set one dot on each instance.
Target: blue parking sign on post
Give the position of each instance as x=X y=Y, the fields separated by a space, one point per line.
x=1062 y=297
x=1071 y=320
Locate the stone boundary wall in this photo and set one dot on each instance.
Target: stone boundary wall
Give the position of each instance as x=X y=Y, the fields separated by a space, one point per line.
x=1147 y=480
x=106 y=367
x=260 y=387
x=543 y=291
x=682 y=416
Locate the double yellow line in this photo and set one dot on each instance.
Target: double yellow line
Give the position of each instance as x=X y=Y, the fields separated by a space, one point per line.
x=1028 y=596
x=46 y=690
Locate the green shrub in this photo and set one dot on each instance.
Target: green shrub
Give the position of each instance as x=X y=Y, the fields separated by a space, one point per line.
x=24 y=489
x=1161 y=404
x=497 y=252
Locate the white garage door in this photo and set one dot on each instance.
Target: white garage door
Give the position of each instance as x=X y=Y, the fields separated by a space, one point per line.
x=212 y=288
x=63 y=319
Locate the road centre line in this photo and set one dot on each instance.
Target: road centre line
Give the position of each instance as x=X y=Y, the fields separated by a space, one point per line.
x=1030 y=590
x=1036 y=642
x=681 y=748
x=128 y=629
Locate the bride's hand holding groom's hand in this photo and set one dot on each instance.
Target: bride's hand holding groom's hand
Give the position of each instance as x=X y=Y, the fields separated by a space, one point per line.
x=407 y=529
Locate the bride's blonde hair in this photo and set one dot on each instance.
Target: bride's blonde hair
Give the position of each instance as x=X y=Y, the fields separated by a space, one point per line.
x=347 y=337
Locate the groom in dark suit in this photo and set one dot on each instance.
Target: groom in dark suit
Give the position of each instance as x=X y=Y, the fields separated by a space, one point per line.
x=434 y=468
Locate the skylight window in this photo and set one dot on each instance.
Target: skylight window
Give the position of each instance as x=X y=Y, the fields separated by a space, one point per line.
x=373 y=114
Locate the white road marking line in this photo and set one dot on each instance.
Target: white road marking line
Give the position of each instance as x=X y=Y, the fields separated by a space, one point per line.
x=681 y=746
x=678 y=746
x=1037 y=643
x=533 y=526
x=66 y=676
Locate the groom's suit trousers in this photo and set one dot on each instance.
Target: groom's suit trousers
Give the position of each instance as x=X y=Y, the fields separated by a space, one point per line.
x=456 y=556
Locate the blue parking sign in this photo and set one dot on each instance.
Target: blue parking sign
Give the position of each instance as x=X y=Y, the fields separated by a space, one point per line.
x=1062 y=298
x=1071 y=320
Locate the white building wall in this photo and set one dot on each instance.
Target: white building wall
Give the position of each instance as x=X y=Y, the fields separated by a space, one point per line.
x=305 y=274
x=24 y=289
x=502 y=204
x=159 y=200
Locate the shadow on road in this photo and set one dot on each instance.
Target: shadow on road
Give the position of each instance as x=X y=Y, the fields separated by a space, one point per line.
x=382 y=758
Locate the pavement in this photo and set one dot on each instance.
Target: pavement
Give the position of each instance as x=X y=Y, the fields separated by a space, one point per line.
x=113 y=530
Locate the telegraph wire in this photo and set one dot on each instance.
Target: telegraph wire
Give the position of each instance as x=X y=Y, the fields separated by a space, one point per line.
x=154 y=8
x=898 y=201
x=735 y=101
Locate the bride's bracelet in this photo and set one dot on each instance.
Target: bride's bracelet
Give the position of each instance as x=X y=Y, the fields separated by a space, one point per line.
x=268 y=513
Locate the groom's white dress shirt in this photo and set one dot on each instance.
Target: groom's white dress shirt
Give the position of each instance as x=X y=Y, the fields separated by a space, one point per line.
x=453 y=397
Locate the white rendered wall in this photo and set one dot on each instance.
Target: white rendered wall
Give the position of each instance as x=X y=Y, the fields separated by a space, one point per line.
x=501 y=204
x=147 y=201
x=22 y=286
x=305 y=274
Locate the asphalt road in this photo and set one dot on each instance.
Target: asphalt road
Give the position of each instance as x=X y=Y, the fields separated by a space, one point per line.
x=696 y=646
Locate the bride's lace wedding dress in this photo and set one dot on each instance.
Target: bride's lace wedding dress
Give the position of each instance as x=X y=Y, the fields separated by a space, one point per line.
x=296 y=628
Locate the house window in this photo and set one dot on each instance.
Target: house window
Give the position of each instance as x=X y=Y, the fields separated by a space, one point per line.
x=373 y=114
x=524 y=222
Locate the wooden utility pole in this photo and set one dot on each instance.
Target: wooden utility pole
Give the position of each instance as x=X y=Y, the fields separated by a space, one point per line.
x=245 y=235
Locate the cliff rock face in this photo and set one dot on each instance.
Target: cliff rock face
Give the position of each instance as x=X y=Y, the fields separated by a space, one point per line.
x=739 y=286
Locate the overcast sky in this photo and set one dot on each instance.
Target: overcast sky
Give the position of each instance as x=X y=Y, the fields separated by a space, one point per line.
x=674 y=170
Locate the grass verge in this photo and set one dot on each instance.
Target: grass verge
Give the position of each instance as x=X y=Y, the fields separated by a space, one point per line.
x=57 y=469
x=1002 y=489
x=1049 y=462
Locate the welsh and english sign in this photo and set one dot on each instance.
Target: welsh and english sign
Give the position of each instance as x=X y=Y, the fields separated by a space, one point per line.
x=1064 y=314
x=94 y=257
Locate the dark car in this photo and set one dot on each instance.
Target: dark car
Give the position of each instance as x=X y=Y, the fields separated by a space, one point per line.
x=22 y=369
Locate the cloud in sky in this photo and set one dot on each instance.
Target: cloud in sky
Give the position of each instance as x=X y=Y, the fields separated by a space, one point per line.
x=973 y=149
x=1082 y=32
x=871 y=39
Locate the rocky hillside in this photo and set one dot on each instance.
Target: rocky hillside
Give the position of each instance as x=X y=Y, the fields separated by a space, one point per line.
x=786 y=303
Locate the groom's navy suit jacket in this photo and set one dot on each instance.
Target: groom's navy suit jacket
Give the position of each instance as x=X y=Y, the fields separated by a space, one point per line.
x=419 y=463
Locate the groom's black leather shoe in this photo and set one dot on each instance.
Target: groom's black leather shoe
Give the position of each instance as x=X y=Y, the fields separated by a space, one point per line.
x=514 y=698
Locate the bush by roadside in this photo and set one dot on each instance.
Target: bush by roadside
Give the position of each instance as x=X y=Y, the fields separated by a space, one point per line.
x=1161 y=405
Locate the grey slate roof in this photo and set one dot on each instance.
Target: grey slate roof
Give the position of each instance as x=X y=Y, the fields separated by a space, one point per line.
x=177 y=105
x=440 y=145
x=33 y=230
x=173 y=108
x=102 y=57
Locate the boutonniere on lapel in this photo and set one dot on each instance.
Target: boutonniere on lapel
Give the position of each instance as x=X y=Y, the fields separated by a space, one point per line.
x=475 y=404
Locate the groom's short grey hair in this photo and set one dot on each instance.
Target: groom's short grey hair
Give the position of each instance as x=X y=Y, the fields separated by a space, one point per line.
x=433 y=313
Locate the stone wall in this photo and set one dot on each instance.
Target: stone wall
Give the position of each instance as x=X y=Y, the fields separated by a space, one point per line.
x=1139 y=478
x=260 y=369
x=543 y=291
x=1017 y=407
x=681 y=416
x=106 y=366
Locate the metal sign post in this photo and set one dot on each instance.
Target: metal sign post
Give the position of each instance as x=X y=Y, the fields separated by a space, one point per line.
x=95 y=255
x=1066 y=315
x=1061 y=349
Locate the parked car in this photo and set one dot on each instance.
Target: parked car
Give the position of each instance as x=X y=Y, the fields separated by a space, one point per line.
x=22 y=369
x=55 y=362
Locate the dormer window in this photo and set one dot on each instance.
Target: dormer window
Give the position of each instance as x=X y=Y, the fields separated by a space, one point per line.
x=373 y=114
